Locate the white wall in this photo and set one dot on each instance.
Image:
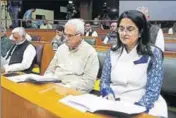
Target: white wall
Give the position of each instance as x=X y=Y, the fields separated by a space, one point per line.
x=49 y=14
x=159 y=10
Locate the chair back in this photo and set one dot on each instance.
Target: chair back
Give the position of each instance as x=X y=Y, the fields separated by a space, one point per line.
x=45 y=54
x=91 y=41
x=36 y=38
x=169 y=81
x=101 y=57
x=170 y=46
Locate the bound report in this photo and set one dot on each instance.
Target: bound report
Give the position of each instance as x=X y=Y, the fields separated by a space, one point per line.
x=92 y=103
x=33 y=78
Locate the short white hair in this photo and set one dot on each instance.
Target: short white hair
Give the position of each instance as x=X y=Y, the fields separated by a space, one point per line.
x=21 y=31
x=78 y=23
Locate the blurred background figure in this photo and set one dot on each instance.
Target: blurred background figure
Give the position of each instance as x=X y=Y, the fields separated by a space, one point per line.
x=96 y=19
x=156 y=33
x=89 y=31
x=14 y=7
x=106 y=23
x=59 y=38
x=172 y=30
x=45 y=25
x=111 y=37
x=5 y=42
x=28 y=17
x=71 y=10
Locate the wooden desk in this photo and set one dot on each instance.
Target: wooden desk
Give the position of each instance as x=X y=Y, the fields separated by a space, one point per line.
x=26 y=100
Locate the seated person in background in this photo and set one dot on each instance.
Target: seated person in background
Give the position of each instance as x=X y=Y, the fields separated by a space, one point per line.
x=156 y=33
x=133 y=70
x=5 y=42
x=75 y=62
x=172 y=30
x=59 y=39
x=21 y=55
x=96 y=20
x=45 y=25
x=28 y=14
x=89 y=31
x=28 y=18
x=111 y=38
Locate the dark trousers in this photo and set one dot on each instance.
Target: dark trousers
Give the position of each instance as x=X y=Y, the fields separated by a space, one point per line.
x=14 y=12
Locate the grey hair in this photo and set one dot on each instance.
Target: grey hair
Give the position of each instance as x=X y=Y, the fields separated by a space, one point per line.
x=19 y=30
x=78 y=23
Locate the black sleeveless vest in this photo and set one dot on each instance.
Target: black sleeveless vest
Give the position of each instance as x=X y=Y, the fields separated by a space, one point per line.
x=90 y=33
x=17 y=55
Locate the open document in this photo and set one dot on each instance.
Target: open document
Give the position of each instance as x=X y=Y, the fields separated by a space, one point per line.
x=92 y=103
x=33 y=78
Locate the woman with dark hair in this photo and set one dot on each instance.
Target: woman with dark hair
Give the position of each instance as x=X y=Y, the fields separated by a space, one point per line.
x=133 y=70
x=59 y=38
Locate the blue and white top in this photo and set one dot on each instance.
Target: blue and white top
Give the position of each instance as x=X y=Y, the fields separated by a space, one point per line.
x=135 y=78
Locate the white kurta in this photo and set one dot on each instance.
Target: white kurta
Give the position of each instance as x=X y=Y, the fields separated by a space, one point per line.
x=130 y=82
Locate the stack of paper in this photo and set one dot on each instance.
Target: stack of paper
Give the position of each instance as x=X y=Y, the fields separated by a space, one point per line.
x=33 y=78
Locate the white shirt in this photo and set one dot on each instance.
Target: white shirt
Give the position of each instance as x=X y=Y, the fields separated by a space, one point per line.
x=106 y=40
x=76 y=68
x=28 y=57
x=94 y=34
x=47 y=26
x=170 y=31
x=160 y=40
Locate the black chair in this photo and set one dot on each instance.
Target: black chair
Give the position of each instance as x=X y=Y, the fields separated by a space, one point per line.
x=101 y=57
x=169 y=85
x=38 y=58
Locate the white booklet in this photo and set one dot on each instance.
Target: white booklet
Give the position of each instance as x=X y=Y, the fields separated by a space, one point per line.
x=33 y=78
x=92 y=103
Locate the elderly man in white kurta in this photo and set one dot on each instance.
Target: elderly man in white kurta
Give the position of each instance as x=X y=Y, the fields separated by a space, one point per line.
x=75 y=62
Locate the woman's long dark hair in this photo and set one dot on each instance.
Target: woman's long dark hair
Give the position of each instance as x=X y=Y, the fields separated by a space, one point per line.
x=140 y=21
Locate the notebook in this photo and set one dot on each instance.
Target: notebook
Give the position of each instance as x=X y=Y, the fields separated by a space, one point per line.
x=33 y=78
x=92 y=103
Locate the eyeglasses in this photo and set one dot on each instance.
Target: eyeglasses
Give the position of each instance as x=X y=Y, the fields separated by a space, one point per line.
x=70 y=35
x=128 y=30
